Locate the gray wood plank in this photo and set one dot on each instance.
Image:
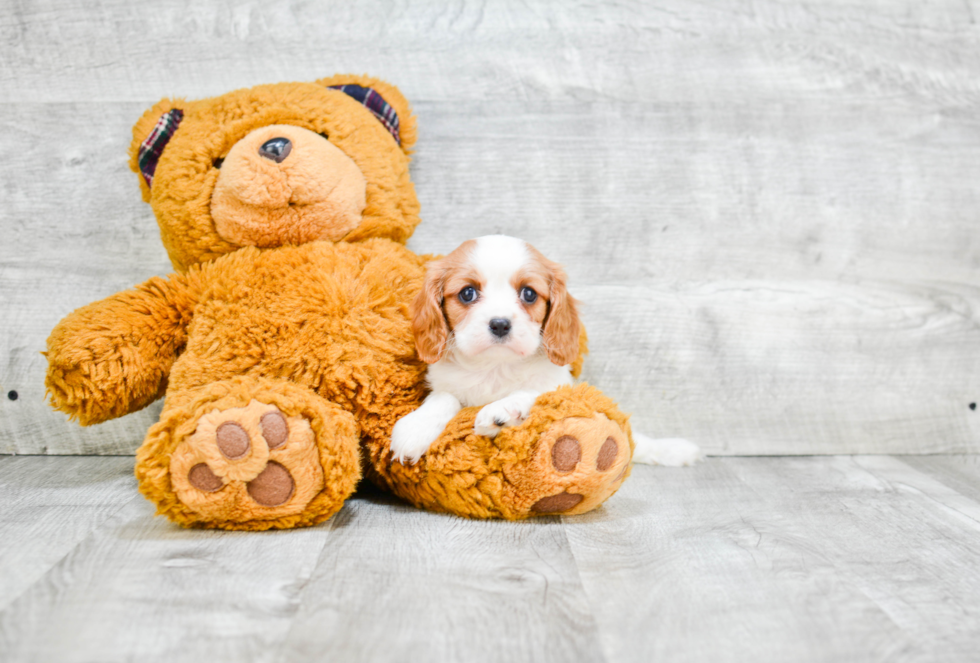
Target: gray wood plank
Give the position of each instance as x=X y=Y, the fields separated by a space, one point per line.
x=768 y=208
x=75 y=231
x=391 y=583
x=49 y=506
x=475 y=51
x=397 y=584
x=961 y=473
x=808 y=559
x=689 y=191
x=141 y=588
x=737 y=559
x=792 y=367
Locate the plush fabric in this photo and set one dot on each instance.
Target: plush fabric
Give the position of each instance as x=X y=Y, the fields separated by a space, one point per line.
x=282 y=343
x=376 y=104
x=316 y=192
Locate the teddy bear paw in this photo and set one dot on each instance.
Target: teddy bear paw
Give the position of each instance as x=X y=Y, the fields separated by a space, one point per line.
x=578 y=463
x=247 y=462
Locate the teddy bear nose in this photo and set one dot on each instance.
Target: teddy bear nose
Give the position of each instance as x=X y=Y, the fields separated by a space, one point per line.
x=276 y=149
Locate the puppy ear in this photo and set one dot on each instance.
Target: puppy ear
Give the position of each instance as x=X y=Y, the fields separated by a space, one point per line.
x=561 y=326
x=428 y=320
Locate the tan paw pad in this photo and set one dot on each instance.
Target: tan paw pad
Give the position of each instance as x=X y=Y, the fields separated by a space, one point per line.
x=607 y=454
x=247 y=462
x=232 y=440
x=559 y=503
x=202 y=478
x=566 y=453
x=275 y=429
x=273 y=487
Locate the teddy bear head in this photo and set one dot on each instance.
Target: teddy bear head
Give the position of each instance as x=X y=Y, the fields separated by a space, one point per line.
x=278 y=164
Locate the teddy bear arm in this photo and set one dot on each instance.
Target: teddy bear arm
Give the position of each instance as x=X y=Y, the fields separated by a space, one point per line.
x=112 y=357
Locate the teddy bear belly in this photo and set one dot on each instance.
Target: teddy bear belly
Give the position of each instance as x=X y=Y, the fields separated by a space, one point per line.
x=331 y=317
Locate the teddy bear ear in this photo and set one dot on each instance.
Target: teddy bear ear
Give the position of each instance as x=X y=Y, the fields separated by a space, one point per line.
x=384 y=100
x=150 y=135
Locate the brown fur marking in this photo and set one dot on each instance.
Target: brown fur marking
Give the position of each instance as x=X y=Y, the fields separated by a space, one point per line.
x=436 y=309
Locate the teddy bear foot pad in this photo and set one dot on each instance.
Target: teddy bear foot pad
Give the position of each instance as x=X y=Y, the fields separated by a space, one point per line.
x=248 y=462
x=249 y=453
x=578 y=464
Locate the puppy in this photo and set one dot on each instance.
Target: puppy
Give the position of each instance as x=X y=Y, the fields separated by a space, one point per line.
x=499 y=328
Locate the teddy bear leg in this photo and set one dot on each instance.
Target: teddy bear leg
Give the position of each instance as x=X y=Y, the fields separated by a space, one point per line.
x=570 y=455
x=249 y=453
x=577 y=463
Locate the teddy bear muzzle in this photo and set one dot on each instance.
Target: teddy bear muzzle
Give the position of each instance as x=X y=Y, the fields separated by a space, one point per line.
x=282 y=185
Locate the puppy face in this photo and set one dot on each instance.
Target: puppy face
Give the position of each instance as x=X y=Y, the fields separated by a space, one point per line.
x=496 y=297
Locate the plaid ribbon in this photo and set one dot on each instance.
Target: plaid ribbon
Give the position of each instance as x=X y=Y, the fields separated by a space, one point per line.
x=152 y=147
x=374 y=103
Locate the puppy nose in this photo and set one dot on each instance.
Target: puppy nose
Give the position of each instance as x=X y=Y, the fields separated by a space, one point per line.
x=500 y=327
x=276 y=149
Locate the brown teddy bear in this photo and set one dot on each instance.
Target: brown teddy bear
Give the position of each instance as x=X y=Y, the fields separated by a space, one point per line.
x=283 y=343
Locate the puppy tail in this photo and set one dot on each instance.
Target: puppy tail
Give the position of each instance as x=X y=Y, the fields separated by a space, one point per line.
x=667 y=451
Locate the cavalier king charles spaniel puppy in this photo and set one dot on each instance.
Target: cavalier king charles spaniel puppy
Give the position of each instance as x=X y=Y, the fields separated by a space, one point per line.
x=499 y=329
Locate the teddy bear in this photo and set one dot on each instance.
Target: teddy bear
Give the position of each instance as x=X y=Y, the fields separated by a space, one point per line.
x=282 y=344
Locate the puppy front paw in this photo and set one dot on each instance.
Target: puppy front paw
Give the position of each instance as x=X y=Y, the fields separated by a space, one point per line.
x=412 y=436
x=509 y=411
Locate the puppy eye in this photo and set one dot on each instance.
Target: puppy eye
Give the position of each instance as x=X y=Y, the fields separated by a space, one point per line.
x=324 y=134
x=467 y=295
x=528 y=296
x=217 y=163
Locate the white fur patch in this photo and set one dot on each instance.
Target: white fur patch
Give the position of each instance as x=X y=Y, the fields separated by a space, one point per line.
x=508 y=411
x=667 y=451
x=499 y=255
x=498 y=259
x=414 y=433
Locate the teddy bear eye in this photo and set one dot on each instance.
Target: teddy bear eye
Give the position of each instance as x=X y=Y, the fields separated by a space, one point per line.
x=217 y=163
x=528 y=296
x=467 y=295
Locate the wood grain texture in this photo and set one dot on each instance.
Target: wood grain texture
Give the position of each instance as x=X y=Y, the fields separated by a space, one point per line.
x=792 y=367
x=808 y=559
x=865 y=558
x=768 y=209
x=59 y=50
x=961 y=473
x=49 y=506
x=75 y=230
x=141 y=588
x=442 y=588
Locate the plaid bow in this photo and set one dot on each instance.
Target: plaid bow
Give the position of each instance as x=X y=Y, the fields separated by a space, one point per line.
x=152 y=147
x=374 y=103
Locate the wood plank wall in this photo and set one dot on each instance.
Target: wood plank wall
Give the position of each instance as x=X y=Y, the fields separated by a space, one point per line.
x=769 y=209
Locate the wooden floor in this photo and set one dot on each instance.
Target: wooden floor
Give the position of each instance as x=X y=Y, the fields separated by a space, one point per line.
x=841 y=558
